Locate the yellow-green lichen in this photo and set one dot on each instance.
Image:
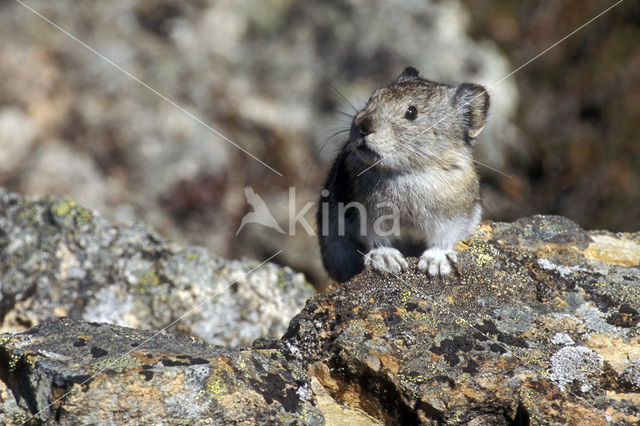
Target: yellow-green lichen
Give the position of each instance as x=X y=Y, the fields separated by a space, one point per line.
x=460 y=322
x=215 y=386
x=149 y=279
x=4 y=337
x=483 y=259
x=20 y=418
x=241 y=363
x=192 y=256
x=415 y=316
x=282 y=280
x=485 y=254
x=84 y=216
x=410 y=384
x=64 y=207
x=29 y=214
x=67 y=209
x=13 y=361
x=117 y=364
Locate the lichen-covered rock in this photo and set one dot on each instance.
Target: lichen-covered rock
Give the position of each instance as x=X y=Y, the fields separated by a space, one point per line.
x=58 y=258
x=540 y=323
x=71 y=372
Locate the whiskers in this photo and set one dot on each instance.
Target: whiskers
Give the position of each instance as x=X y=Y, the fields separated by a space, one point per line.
x=419 y=151
x=339 y=135
x=424 y=156
x=492 y=168
x=343 y=98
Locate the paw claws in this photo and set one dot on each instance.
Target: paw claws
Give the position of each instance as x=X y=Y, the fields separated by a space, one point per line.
x=452 y=256
x=423 y=264
x=437 y=261
x=386 y=259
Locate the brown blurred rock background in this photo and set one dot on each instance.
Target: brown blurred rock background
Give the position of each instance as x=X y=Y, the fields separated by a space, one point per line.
x=579 y=115
x=270 y=76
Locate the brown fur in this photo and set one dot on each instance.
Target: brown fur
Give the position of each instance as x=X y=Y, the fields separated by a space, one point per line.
x=411 y=146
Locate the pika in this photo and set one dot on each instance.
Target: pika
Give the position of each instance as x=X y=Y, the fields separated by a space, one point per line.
x=404 y=182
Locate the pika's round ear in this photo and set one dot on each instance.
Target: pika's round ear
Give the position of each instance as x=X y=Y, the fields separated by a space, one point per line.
x=408 y=73
x=472 y=102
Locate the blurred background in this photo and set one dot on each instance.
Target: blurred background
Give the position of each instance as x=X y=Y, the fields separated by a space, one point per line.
x=273 y=76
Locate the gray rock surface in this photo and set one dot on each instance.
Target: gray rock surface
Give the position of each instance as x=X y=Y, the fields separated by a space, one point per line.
x=58 y=258
x=539 y=325
x=73 y=372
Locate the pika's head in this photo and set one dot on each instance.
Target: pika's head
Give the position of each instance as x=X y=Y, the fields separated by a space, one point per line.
x=415 y=123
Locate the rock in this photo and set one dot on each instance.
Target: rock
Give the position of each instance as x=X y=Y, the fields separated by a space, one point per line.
x=49 y=173
x=539 y=324
x=74 y=372
x=17 y=134
x=58 y=258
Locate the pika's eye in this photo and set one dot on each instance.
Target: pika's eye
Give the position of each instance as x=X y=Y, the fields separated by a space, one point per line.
x=412 y=113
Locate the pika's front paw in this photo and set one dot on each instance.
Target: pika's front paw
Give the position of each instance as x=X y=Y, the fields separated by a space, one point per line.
x=437 y=261
x=386 y=259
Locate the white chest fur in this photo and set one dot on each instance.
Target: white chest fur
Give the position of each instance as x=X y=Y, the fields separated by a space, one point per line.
x=430 y=208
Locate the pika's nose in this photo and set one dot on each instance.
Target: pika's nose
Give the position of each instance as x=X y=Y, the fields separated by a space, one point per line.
x=364 y=126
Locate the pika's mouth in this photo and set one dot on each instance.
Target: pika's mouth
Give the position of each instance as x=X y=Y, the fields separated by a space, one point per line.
x=365 y=152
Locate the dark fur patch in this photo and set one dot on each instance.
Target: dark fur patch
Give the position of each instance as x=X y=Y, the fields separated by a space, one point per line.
x=409 y=72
